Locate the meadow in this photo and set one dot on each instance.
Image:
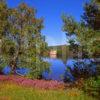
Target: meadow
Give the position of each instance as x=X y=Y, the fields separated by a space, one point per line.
x=9 y=91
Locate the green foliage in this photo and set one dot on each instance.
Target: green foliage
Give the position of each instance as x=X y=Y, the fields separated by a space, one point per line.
x=69 y=24
x=37 y=69
x=70 y=27
x=92 y=86
x=91 y=15
x=22 y=44
x=3 y=17
x=91 y=19
x=87 y=30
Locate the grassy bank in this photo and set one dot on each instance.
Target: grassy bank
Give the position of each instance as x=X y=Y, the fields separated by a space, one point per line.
x=14 y=92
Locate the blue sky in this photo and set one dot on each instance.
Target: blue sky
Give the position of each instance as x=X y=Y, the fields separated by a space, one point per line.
x=51 y=11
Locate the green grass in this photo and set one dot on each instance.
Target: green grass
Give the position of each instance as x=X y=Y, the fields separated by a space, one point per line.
x=14 y=92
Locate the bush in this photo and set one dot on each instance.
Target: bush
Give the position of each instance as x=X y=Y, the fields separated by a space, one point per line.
x=84 y=68
x=36 y=73
x=92 y=86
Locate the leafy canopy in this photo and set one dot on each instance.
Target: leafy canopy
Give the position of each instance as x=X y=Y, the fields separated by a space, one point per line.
x=22 y=44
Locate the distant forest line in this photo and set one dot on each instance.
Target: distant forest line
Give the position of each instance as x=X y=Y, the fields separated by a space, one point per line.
x=64 y=51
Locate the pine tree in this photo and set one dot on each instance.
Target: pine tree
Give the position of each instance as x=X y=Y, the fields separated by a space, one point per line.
x=91 y=18
x=91 y=15
x=87 y=30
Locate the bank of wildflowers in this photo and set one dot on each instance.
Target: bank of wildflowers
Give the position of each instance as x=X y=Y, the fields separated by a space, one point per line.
x=40 y=84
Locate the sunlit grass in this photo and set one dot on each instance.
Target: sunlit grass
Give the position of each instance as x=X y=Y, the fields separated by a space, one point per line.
x=15 y=92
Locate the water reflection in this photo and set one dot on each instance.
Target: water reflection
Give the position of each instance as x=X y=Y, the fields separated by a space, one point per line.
x=57 y=69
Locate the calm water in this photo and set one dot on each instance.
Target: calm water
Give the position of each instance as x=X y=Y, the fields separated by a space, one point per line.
x=57 y=69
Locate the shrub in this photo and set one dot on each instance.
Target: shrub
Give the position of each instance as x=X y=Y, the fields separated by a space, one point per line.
x=92 y=86
x=84 y=68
